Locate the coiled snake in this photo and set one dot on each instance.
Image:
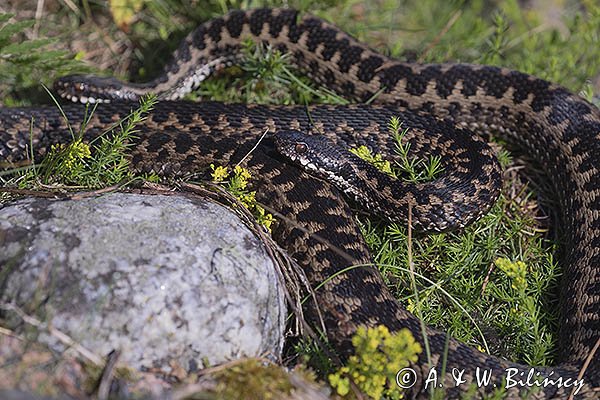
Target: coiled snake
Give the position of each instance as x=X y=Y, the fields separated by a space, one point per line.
x=438 y=102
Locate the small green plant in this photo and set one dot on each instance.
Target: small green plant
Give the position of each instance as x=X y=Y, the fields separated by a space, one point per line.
x=409 y=168
x=103 y=162
x=265 y=76
x=497 y=42
x=525 y=312
x=418 y=170
x=375 y=159
x=266 y=66
x=236 y=182
x=379 y=356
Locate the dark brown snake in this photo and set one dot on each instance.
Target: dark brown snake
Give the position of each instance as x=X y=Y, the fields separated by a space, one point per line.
x=438 y=102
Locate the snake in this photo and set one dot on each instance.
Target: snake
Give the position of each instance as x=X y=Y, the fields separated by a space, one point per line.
x=446 y=108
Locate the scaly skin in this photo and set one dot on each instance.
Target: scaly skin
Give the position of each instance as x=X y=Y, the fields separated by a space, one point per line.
x=557 y=128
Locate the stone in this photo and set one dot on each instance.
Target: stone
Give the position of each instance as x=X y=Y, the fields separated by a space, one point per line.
x=170 y=281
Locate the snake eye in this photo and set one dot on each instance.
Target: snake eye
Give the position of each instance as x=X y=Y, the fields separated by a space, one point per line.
x=301 y=148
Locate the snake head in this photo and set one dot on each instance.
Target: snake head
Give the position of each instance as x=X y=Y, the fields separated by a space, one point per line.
x=313 y=153
x=92 y=89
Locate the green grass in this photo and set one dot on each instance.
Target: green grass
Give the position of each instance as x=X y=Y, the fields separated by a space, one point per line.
x=460 y=285
x=265 y=77
x=462 y=289
x=24 y=63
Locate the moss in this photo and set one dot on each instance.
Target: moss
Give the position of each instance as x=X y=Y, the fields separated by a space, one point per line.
x=252 y=379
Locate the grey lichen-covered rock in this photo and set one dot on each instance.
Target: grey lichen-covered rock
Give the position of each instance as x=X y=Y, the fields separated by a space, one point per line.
x=168 y=280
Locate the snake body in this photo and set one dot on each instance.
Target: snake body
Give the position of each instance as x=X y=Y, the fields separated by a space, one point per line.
x=440 y=103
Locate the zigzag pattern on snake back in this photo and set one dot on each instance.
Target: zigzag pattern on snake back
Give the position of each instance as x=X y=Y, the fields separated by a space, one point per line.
x=559 y=129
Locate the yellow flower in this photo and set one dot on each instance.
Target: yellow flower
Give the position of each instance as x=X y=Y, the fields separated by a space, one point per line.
x=375 y=159
x=81 y=150
x=236 y=185
x=379 y=355
x=516 y=271
x=242 y=172
x=70 y=155
x=219 y=173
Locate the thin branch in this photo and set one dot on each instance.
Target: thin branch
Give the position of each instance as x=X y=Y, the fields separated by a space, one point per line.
x=440 y=35
x=107 y=375
x=586 y=364
x=253 y=148
x=39 y=11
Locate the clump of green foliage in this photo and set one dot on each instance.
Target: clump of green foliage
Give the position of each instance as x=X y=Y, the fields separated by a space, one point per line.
x=236 y=182
x=265 y=76
x=102 y=162
x=24 y=63
x=412 y=169
x=379 y=355
x=461 y=268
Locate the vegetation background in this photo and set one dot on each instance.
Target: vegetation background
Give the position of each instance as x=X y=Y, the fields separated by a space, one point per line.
x=494 y=281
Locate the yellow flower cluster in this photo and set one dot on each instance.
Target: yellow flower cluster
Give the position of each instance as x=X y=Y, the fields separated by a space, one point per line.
x=72 y=153
x=374 y=159
x=219 y=173
x=236 y=183
x=515 y=270
x=379 y=355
